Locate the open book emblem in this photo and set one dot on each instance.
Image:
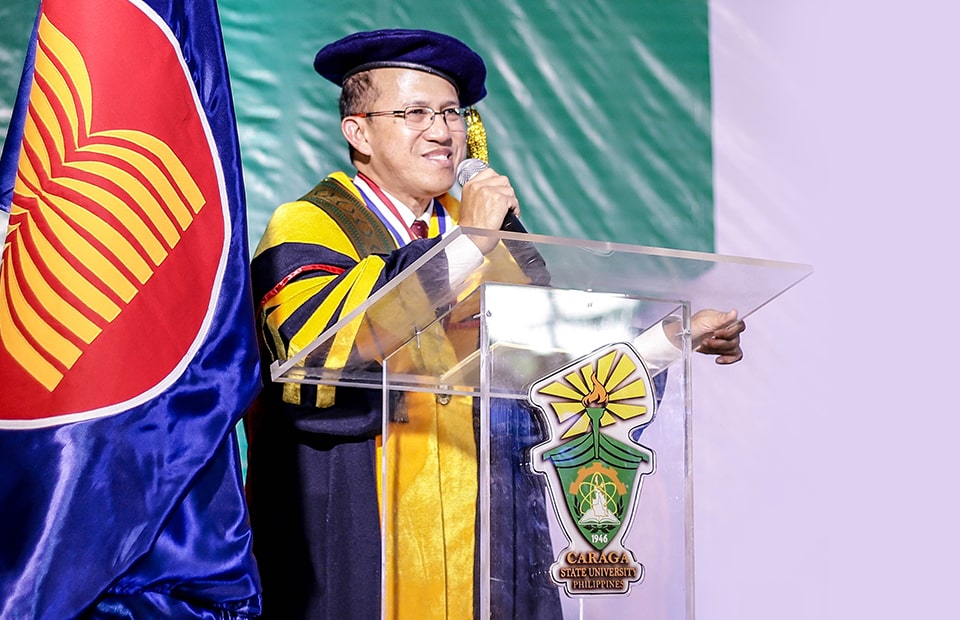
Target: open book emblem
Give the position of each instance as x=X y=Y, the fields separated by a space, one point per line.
x=593 y=466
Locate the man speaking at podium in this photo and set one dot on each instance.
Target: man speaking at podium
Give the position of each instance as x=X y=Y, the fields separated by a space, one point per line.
x=314 y=451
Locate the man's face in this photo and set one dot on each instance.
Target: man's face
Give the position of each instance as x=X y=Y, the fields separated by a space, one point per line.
x=415 y=166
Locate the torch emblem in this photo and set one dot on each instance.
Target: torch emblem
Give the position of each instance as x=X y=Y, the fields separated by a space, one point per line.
x=593 y=466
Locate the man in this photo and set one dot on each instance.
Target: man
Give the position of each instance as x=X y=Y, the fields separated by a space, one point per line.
x=312 y=481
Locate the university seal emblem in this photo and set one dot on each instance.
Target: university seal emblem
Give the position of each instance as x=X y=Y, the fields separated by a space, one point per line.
x=594 y=467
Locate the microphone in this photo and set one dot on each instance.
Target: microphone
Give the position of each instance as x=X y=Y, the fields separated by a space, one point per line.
x=523 y=252
x=470 y=168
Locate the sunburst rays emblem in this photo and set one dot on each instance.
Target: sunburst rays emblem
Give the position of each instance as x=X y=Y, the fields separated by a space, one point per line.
x=615 y=383
x=593 y=466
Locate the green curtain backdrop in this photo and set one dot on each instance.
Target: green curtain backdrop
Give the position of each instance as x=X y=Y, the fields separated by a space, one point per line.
x=599 y=110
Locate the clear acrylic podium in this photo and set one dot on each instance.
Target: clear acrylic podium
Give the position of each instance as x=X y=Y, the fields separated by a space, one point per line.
x=596 y=489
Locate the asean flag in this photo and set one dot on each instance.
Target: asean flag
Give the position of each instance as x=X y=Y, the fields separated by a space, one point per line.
x=127 y=347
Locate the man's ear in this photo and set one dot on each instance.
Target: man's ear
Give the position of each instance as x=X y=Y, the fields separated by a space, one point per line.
x=355 y=132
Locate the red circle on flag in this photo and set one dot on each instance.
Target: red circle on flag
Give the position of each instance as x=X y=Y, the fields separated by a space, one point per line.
x=131 y=127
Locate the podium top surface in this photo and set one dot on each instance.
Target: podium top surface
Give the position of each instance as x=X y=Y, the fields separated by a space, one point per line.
x=422 y=294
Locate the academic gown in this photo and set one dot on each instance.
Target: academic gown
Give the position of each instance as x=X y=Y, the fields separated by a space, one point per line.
x=313 y=457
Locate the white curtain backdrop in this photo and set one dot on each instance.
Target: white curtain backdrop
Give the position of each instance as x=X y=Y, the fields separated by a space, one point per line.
x=826 y=463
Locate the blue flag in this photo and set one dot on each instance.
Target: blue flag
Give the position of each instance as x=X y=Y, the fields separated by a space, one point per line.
x=127 y=343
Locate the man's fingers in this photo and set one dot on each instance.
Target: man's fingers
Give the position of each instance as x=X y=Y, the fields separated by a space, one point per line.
x=727 y=351
x=734 y=329
x=724 y=339
x=730 y=359
x=719 y=345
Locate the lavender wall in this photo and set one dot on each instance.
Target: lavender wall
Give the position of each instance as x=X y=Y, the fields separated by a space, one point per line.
x=826 y=463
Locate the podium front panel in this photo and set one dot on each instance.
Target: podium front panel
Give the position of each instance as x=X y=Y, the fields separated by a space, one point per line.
x=531 y=555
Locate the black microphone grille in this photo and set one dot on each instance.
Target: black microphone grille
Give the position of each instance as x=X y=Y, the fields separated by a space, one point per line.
x=469 y=168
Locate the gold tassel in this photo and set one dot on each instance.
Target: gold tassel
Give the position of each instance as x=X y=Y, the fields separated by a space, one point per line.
x=476 y=136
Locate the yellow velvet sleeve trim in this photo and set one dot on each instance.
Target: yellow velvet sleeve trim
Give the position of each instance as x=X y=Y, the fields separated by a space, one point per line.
x=282 y=305
x=345 y=296
x=368 y=271
x=324 y=315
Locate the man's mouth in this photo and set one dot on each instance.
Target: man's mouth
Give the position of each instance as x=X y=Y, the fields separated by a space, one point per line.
x=443 y=158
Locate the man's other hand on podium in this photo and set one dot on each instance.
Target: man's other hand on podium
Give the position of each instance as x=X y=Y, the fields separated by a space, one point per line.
x=717 y=333
x=712 y=332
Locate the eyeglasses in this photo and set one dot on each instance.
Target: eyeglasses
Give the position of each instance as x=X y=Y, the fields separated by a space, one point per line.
x=420 y=118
